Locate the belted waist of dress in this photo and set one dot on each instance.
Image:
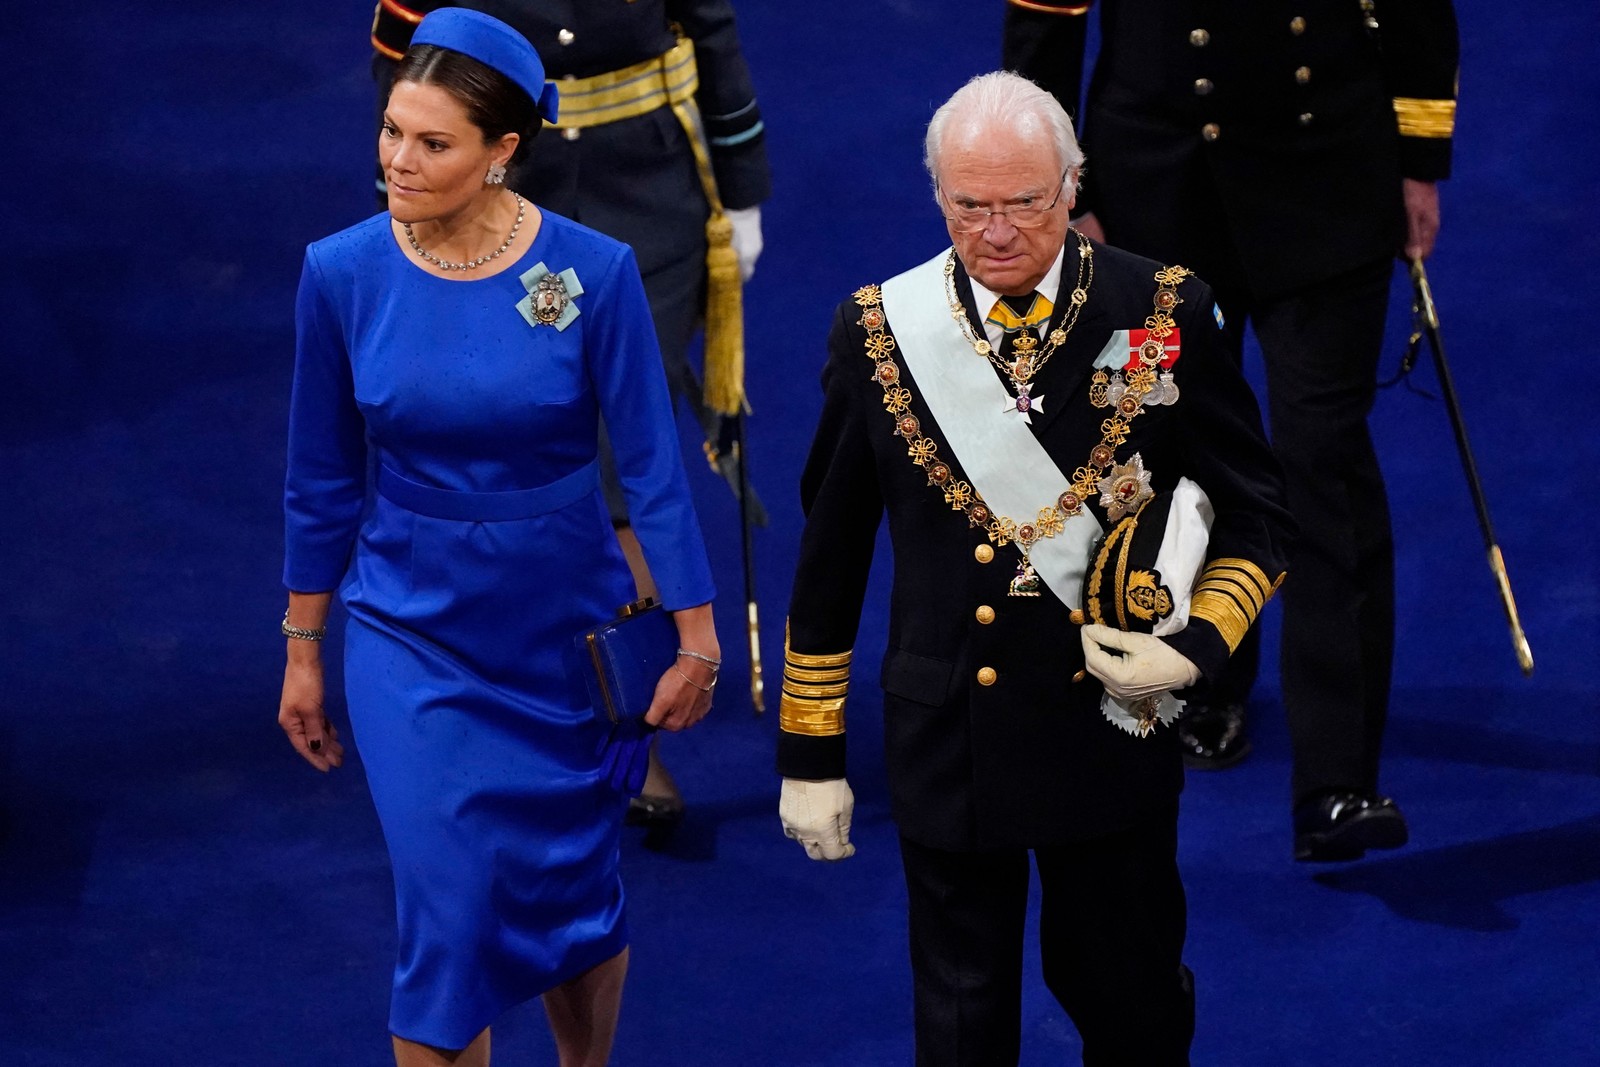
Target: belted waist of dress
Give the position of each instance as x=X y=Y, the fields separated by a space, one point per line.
x=488 y=507
x=667 y=79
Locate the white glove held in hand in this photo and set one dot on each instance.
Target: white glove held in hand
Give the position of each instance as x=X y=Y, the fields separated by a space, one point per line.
x=817 y=814
x=1146 y=665
x=747 y=242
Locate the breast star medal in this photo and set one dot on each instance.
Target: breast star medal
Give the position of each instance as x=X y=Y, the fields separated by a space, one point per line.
x=1125 y=489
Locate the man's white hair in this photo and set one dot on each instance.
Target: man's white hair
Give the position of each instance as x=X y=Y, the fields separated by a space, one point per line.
x=1000 y=99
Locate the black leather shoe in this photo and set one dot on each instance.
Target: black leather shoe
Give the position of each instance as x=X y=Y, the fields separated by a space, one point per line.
x=1343 y=824
x=1213 y=737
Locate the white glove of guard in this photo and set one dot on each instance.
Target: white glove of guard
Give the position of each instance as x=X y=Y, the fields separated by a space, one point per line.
x=1146 y=665
x=746 y=238
x=817 y=814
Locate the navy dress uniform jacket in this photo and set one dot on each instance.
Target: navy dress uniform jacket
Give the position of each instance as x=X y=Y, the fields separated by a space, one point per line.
x=1028 y=760
x=1294 y=120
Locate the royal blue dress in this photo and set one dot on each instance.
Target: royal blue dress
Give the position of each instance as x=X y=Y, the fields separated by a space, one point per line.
x=469 y=551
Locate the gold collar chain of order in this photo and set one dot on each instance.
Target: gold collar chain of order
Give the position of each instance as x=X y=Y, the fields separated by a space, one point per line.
x=1026 y=362
x=959 y=494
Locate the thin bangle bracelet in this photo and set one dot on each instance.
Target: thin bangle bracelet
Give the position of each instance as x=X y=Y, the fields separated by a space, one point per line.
x=691 y=681
x=715 y=664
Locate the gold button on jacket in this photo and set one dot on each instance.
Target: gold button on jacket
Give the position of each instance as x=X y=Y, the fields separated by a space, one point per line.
x=1211 y=131
x=983 y=553
x=1199 y=38
x=985 y=614
x=986 y=676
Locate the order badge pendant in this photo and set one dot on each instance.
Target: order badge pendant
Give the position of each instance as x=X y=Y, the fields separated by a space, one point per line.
x=1026 y=580
x=549 y=299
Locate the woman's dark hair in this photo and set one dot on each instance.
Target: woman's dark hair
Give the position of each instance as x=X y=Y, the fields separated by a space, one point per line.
x=495 y=104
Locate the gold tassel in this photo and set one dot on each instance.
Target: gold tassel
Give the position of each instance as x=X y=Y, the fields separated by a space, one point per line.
x=724 y=377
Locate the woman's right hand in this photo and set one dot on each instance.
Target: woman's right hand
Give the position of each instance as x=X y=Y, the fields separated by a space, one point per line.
x=301 y=716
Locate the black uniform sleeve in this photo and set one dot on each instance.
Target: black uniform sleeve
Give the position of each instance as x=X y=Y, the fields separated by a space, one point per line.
x=727 y=101
x=1044 y=42
x=843 y=504
x=1422 y=61
x=1252 y=532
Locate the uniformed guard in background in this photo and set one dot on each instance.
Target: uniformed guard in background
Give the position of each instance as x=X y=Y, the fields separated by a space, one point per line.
x=659 y=144
x=1287 y=151
x=1005 y=404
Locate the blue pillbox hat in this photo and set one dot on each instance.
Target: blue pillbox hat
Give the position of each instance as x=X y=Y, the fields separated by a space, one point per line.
x=494 y=44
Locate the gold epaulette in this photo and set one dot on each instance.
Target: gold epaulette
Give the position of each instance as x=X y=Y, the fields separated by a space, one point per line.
x=1229 y=595
x=1425 y=118
x=814 y=689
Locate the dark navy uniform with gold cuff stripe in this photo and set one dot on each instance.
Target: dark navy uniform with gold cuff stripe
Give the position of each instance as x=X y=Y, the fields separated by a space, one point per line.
x=1267 y=145
x=990 y=742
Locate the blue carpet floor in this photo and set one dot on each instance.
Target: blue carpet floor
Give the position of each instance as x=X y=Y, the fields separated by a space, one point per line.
x=177 y=888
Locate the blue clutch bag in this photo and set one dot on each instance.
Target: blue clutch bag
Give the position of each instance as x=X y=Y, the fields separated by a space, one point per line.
x=629 y=655
x=626 y=658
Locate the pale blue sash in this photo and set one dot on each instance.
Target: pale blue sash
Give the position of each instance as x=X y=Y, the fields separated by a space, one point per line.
x=1001 y=457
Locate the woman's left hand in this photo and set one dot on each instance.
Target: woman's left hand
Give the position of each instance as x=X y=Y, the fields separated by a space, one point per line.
x=683 y=695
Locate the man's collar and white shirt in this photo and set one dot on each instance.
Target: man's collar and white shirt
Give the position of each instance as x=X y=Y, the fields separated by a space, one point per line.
x=985 y=300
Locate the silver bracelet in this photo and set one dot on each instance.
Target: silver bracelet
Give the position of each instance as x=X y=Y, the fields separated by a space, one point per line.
x=691 y=681
x=715 y=664
x=300 y=633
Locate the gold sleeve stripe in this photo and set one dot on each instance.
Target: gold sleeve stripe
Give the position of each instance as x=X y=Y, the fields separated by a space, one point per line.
x=813 y=718
x=1425 y=118
x=814 y=688
x=1223 y=612
x=793 y=688
x=400 y=11
x=792 y=658
x=1230 y=594
x=1250 y=600
x=1241 y=572
x=815 y=677
x=1052 y=9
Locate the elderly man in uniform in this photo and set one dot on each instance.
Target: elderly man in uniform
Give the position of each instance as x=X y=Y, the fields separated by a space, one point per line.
x=1005 y=404
x=1287 y=152
x=660 y=144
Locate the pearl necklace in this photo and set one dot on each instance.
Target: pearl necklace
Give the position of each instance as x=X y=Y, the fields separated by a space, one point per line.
x=471 y=264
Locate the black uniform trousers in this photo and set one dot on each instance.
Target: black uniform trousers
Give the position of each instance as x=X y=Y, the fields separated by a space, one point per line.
x=1111 y=931
x=1321 y=346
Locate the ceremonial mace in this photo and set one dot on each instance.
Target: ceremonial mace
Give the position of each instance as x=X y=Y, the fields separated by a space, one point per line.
x=1427 y=325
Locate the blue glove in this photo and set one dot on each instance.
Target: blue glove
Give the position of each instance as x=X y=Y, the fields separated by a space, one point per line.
x=625 y=755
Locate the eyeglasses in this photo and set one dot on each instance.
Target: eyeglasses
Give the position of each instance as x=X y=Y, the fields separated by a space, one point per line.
x=1024 y=213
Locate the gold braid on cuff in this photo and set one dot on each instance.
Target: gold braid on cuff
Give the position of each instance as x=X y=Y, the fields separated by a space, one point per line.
x=814 y=688
x=1230 y=594
x=1425 y=118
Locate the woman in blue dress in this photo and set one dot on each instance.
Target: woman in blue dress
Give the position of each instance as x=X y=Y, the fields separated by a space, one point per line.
x=454 y=356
